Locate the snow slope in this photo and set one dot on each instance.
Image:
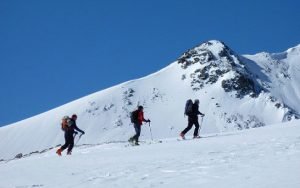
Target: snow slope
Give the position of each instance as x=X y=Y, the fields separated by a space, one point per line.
x=261 y=158
x=230 y=94
x=283 y=72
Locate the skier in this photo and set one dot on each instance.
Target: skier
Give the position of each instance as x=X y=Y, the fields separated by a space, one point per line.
x=69 y=135
x=193 y=120
x=137 y=118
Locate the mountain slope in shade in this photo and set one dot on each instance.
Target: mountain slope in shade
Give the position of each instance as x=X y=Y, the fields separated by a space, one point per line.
x=235 y=92
x=280 y=75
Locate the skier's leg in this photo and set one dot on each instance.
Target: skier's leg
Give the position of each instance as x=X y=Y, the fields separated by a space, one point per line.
x=190 y=125
x=196 y=132
x=137 y=128
x=71 y=144
x=66 y=142
x=63 y=147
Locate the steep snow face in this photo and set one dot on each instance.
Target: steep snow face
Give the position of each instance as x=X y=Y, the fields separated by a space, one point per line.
x=280 y=74
x=230 y=95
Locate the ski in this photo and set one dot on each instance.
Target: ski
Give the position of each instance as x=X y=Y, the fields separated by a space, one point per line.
x=144 y=143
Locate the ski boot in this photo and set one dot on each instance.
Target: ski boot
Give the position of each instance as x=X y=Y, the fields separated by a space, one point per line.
x=130 y=140
x=182 y=136
x=59 y=151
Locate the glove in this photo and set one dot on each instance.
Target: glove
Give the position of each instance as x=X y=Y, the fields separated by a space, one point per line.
x=202 y=115
x=82 y=132
x=75 y=132
x=149 y=120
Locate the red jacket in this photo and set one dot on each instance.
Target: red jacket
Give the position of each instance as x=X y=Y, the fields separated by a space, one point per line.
x=141 y=117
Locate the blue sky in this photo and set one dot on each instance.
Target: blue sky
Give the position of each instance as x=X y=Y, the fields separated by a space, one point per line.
x=53 y=52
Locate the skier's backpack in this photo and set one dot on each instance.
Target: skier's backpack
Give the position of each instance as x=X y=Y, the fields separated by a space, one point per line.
x=134 y=116
x=188 y=107
x=65 y=123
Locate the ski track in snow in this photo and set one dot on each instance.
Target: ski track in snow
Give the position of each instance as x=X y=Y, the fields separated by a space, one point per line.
x=264 y=157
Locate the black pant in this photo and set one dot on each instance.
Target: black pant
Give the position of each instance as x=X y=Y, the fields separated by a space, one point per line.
x=137 y=128
x=192 y=121
x=69 y=141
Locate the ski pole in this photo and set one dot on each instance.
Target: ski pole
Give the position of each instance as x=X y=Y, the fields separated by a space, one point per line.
x=150 y=132
x=201 y=122
x=78 y=138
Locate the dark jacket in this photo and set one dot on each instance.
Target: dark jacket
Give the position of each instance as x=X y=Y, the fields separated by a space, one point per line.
x=195 y=112
x=73 y=127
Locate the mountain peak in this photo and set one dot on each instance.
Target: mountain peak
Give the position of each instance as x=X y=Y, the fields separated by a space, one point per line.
x=213 y=45
x=212 y=60
x=217 y=48
x=212 y=50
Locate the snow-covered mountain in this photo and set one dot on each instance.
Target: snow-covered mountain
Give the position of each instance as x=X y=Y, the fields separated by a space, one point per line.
x=279 y=74
x=235 y=92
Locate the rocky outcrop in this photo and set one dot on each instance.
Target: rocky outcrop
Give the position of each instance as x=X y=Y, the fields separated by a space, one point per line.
x=215 y=60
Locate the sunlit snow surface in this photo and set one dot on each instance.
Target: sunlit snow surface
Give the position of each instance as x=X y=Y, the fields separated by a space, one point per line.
x=263 y=157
